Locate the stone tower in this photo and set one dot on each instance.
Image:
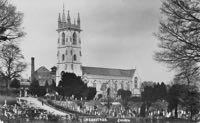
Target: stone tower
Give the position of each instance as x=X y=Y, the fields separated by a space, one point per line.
x=68 y=46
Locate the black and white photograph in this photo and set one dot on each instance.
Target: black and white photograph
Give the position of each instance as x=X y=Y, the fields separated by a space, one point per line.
x=99 y=61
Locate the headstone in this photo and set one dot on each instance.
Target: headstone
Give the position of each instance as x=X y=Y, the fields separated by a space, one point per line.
x=25 y=92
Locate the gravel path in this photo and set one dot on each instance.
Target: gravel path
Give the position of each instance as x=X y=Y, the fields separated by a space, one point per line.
x=36 y=103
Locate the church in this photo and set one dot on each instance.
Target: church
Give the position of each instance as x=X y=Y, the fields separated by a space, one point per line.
x=69 y=60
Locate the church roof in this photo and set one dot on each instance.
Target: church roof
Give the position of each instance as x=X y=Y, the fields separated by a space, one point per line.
x=108 y=71
x=42 y=69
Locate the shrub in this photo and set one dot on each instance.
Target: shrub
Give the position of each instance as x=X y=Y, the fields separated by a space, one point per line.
x=15 y=83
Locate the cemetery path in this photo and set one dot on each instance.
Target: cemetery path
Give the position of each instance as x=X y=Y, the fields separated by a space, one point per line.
x=34 y=102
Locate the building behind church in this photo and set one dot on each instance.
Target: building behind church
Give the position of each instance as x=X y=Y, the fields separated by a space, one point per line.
x=69 y=60
x=42 y=74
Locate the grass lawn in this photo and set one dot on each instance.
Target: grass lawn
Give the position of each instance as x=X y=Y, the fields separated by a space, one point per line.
x=9 y=95
x=10 y=100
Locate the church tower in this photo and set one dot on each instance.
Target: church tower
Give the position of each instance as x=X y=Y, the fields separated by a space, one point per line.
x=68 y=46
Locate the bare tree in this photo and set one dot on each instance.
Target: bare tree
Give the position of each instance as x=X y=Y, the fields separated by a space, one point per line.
x=188 y=73
x=10 y=22
x=11 y=62
x=179 y=35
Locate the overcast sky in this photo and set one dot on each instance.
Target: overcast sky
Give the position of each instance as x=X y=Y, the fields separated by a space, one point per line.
x=116 y=34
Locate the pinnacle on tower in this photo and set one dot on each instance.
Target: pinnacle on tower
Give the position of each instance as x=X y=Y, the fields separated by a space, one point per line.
x=79 y=20
x=59 y=21
x=59 y=18
x=68 y=18
x=63 y=15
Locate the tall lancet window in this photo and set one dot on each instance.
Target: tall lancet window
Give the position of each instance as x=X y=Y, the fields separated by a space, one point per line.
x=136 y=82
x=74 y=38
x=63 y=38
x=63 y=57
x=75 y=58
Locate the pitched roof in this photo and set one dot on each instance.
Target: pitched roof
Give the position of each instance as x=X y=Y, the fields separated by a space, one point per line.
x=42 y=69
x=108 y=71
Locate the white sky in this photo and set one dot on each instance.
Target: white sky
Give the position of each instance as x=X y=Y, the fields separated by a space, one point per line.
x=116 y=34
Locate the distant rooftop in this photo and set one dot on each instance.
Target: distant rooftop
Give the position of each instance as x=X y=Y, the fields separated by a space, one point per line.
x=42 y=69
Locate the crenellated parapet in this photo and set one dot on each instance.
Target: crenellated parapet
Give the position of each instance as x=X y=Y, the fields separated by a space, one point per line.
x=67 y=24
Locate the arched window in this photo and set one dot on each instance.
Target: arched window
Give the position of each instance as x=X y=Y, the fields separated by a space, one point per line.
x=63 y=38
x=75 y=58
x=74 y=39
x=63 y=57
x=136 y=82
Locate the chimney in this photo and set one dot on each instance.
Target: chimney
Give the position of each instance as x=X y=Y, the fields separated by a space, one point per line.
x=32 y=68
